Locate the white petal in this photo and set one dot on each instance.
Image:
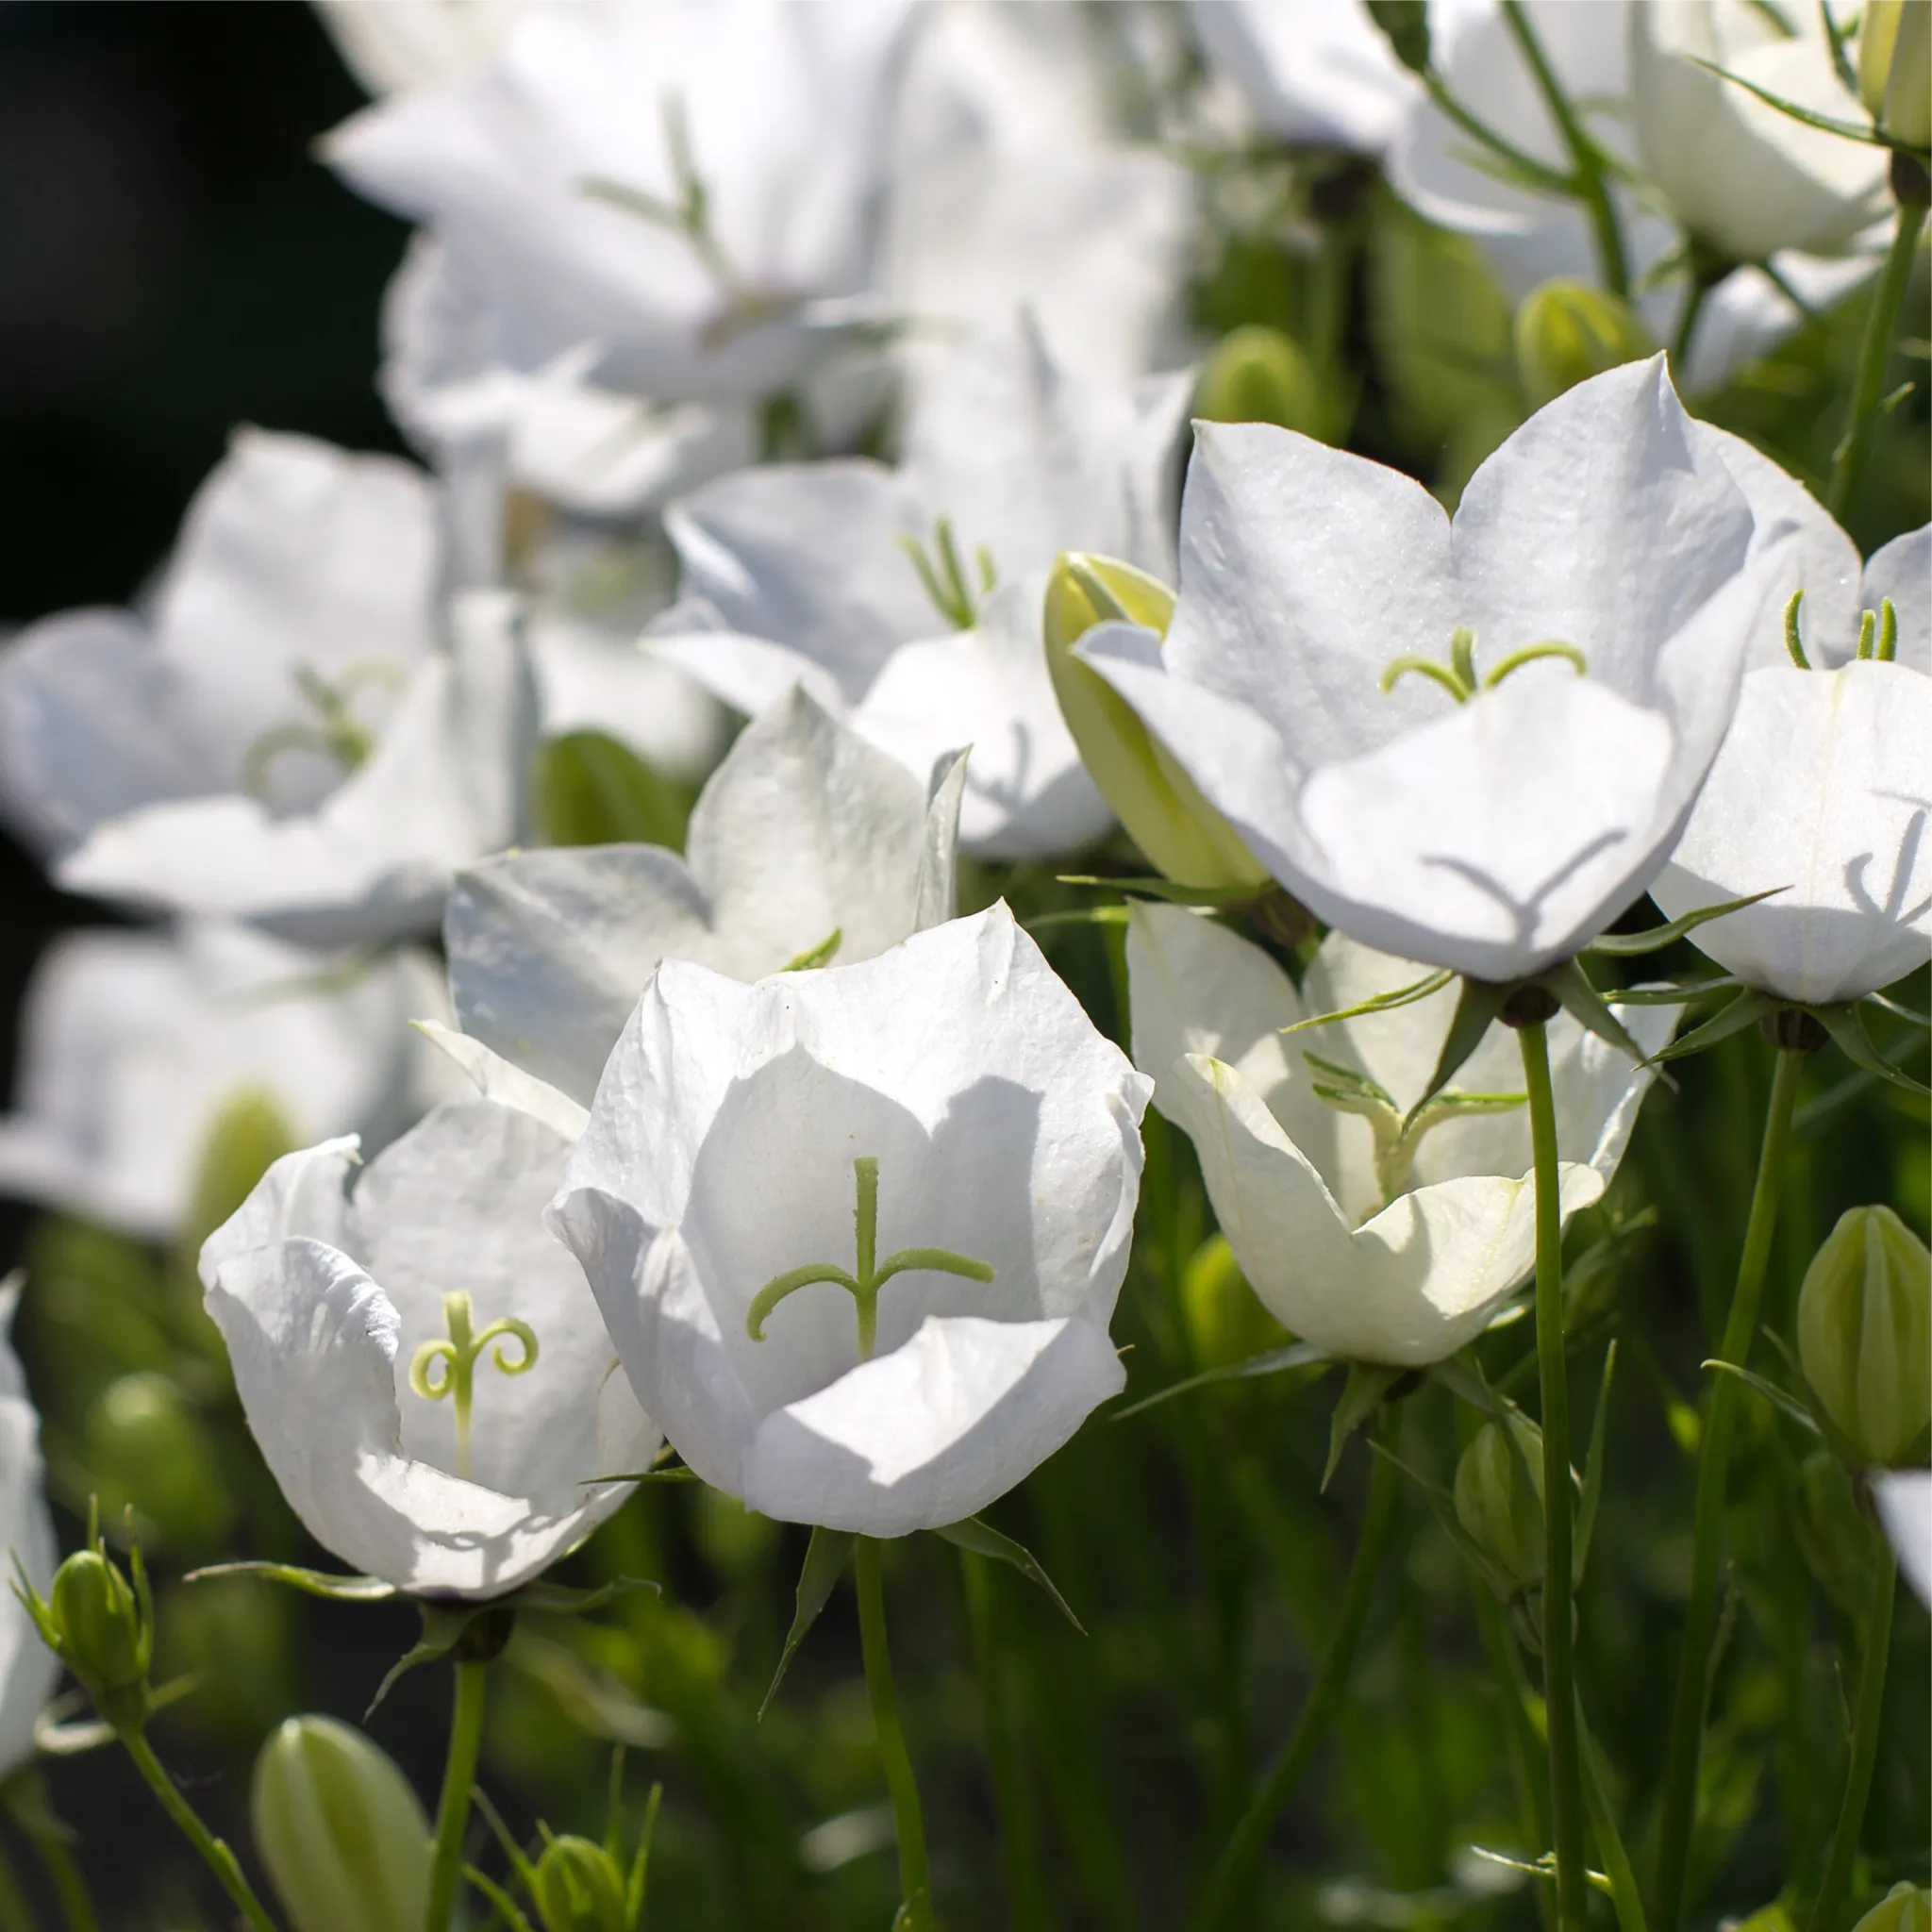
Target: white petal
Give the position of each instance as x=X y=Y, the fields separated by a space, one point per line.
x=406 y=44
x=28 y=1670
x=1902 y=570
x=588 y=680
x=497 y=1079
x=1315 y=72
x=1905 y=1506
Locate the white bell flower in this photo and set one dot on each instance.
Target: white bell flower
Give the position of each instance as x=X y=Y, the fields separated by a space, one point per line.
x=423 y=1367
x=1904 y=1497
x=28 y=1670
x=392 y=44
x=283 y=741
x=1472 y=744
x=1376 y=1232
x=137 y=1043
x=806 y=843
x=904 y=1363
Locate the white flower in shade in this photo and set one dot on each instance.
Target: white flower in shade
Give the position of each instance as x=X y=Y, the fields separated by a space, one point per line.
x=284 y=740
x=1904 y=1497
x=137 y=1043
x=806 y=845
x=1745 y=178
x=28 y=1669
x=1377 y=1232
x=1470 y=743
x=392 y=44
x=912 y=597
x=898 y=1366
x=423 y=1367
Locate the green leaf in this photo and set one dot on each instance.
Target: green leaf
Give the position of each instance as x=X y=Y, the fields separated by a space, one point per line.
x=1593 y=1471
x=1678 y=992
x=1847 y=1025
x=983 y=1540
x=1298 y=1355
x=592 y=791
x=1081 y=915
x=559 y=1600
x=1898 y=1011
x=1478 y=1007
x=679 y=1473
x=825 y=1557
x=1849 y=130
x=1361 y=1396
x=1381 y=1003
x=1771 y=1391
x=506 y=1909
x=1443 y=1505
x=444 y=1626
x=1406 y=25
x=1603 y=1826
x=341 y=1589
x=1745 y=1010
x=1571 y=985
x=1629 y=945
x=1163 y=888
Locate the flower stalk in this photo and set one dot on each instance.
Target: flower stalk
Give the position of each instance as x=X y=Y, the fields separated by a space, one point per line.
x=453 y=1808
x=915 y=1878
x=1881 y=324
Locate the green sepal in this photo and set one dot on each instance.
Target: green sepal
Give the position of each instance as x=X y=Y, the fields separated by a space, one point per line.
x=1679 y=993
x=1592 y=1472
x=1405 y=25
x=1361 y=1396
x=1152 y=887
x=1847 y=1025
x=1298 y=1355
x=559 y=1600
x=1603 y=1826
x=1570 y=986
x=58 y=1735
x=1745 y=1010
x=506 y=1907
x=324 y=1583
x=1380 y=1002
x=819 y=954
x=1630 y=945
x=1897 y=1010
x=1778 y=1398
x=444 y=1626
x=1080 y=915
x=825 y=1557
x=1478 y=1007
x=1827 y=123
x=677 y=1473
x=972 y=1533
x=1443 y=1506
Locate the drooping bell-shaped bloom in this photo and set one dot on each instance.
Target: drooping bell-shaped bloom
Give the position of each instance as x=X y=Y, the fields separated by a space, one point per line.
x=898 y=1364
x=806 y=845
x=27 y=1668
x=1470 y=743
x=1904 y=1497
x=1376 y=1231
x=423 y=1367
x=283 y=740
x=138 y=1045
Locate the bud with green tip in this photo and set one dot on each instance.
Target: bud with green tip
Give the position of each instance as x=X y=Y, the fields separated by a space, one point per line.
x=1567 y=332
x=1182 y=835
x=340 y=1830
x=577 y=1888
x=1499 y=1500
x=99 y=1625
x=1907 y=1907
x=1895 y=69
x=1260 y=374
x=1865 y=1336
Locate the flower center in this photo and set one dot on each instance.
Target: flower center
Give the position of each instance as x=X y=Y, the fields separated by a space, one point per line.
x=870 y=1276
x=333 y=731
x=1459 y=676
x=1877 y=633
x=1398 y=1135
x=945 y=576
x=440 y=1369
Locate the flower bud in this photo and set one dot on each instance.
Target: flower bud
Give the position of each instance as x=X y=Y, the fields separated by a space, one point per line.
x=578 y=1887
x=1895 y=68
x=1499 y=1499
x=1832 y=1534
x=102 y=1636
x=1225 y=1318
x=1567 y=332
x=151 y=1450
x=1260 y=374
x=1907 y=1907
x=1865 y=1335
x=1182 y=835
x=339 y=1829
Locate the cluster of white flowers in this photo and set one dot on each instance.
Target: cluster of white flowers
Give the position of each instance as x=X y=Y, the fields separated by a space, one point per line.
x=773 y=1160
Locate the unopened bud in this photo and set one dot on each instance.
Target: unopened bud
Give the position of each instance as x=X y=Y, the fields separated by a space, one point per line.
x=1260 y=374
x=1865 y=1335
x=1225 y=1320
x=1895 y=68
x=1499 y=1499
x=1567 y=332
x=339 y=1829
x=103 y=1635
x=579 y=1889
x=1182 y=835
x=1907 y=1907
x=151 y=1450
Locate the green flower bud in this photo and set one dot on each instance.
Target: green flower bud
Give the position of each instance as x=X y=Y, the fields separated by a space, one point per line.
x=1895 y=68
x=1567 y=332
x=1865 y=1335
x=1225 y=1319
x=246 y=1138
x=102 y=1633
x=151 y=1450
x=1831 y=1533
x=1907 y=1907
x=578 y=1887
x=1499 y=1499
x=339 y=1829
x=1260 y=374
x=1182 y=835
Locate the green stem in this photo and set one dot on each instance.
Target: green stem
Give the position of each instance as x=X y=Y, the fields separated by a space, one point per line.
x=453 y=1808
x=1027 y=1894
x=16 y=1914
x=1881 y=323
x=1609 y=1841
x=915 y=1880
x=1250 y=1835
x=69 y=1885
x=1525 y=1748
x=1679 y=1812
x=1587 y=158
x=1559 y=1675
x=1865 y=1722
x=1686 y=326
x=218 y=1858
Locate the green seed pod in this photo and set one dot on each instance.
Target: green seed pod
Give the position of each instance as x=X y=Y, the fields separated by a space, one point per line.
x=339 y=1829
x=104 y=1639
x=1907 y=1907
x=1260 y=374
x=1567 y=332
x=1865 y=1336
x=579 y=1889
x=151 y=1450
x=1895 y=68
x=1499 y=1499
x=1182 y=835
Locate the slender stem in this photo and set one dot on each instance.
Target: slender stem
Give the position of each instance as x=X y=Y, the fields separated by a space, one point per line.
x=70 y=1886
x=1525 y=1748
x=1679 y=1813
x=1250 y=1835
x=1027 y=1893
x=1865 y=1722
x=1881 y=323
x=915 y=1880
x=1559 y=1675
x=1609 y=1841
x=218 y=1858
x=1590 y=186
x=16 y=1914
x=1687 y=326
x=453 y=1808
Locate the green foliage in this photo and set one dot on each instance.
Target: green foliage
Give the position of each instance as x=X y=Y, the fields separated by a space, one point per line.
x=591 y=789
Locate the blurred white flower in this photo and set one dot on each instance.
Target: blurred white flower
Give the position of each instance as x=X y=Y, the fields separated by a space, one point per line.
x=1904 y=1497
x=806 y=843
x=1473 y=743
x=954 y=1089
x=423 y=1367
x=1378 y=1233
x=135 y=1044
x=28 y=1669
x=284 y=740
x=392 y=44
